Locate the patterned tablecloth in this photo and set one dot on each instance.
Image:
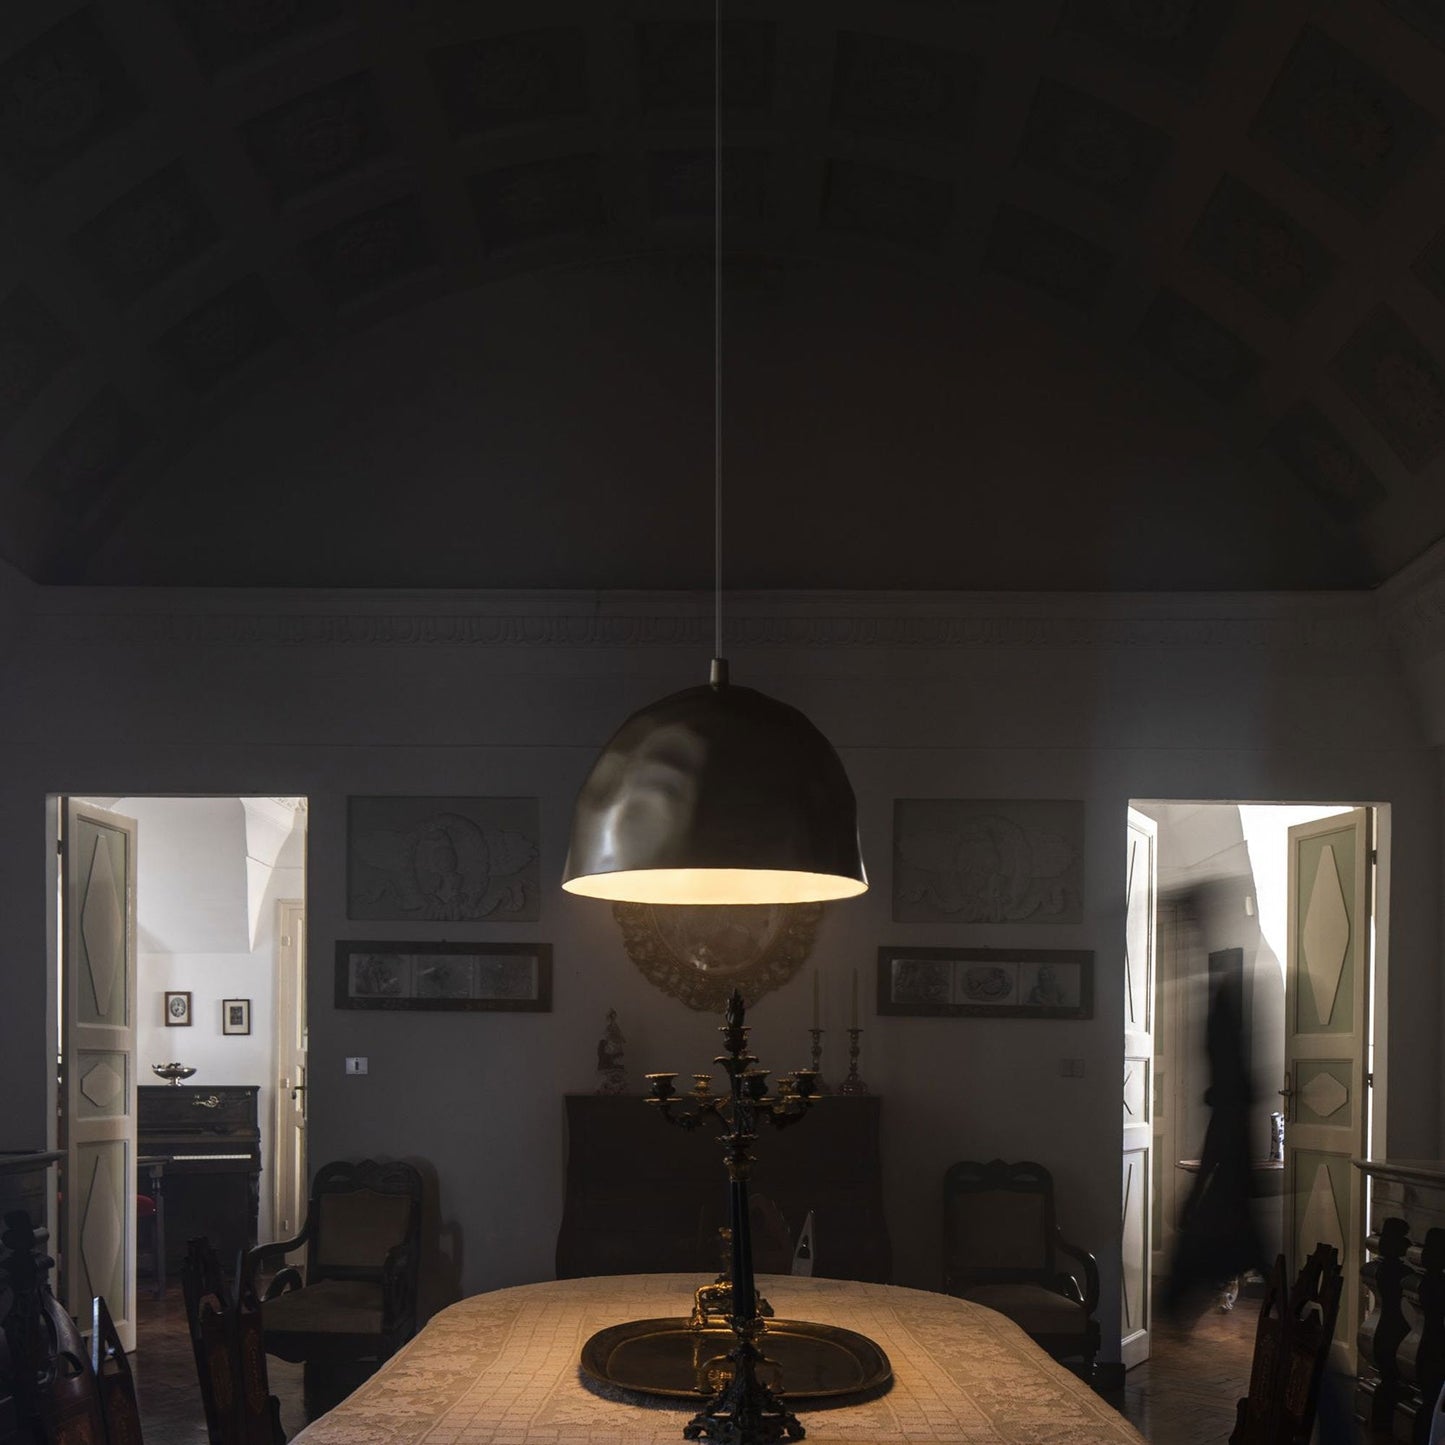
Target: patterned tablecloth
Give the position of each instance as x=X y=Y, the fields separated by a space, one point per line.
x=501 y=1369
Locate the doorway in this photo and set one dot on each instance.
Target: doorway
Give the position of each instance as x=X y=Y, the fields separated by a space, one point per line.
x=180 y=940
x=1281 y=907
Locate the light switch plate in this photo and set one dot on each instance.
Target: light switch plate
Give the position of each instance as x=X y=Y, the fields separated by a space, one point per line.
x=356 y=1064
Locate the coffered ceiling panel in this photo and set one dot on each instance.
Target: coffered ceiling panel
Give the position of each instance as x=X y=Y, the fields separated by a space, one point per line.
x=1018 y=293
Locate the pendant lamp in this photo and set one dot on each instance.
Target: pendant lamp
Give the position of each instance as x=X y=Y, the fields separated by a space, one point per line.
x=716 y=794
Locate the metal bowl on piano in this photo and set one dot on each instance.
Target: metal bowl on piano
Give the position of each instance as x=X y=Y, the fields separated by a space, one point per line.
x=173 y=1073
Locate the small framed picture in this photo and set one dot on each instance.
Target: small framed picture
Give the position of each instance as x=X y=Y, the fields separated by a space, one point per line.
x=235 y=1016
x=178 y=1009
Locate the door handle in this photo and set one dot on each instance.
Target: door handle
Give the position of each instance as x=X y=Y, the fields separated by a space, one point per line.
x=297 y=1090
x=1286 y=1093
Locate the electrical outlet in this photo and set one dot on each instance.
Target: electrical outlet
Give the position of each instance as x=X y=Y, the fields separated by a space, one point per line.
x=355 y=1064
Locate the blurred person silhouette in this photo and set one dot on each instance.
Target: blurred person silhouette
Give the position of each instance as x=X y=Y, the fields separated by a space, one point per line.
x=1217 y=1238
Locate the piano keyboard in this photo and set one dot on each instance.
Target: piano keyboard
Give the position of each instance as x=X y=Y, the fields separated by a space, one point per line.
x=187 y=1158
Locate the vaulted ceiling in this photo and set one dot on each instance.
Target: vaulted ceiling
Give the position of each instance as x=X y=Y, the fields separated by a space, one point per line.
x=1085 y=293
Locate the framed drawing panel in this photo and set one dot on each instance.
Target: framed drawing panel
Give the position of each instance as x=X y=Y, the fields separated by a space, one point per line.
x=1021 y=983
x=466 y=977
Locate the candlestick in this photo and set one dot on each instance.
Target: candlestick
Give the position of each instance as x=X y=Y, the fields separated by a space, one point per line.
x=853 y=1084
x=745 y=1411
x=822 y=1086
x=817 y=1022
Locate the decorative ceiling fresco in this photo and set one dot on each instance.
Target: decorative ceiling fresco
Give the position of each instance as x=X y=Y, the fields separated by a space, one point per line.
x=205 y=204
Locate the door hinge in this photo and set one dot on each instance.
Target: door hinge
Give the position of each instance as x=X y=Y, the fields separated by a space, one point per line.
x=1370 y=1079
x=1374 y=856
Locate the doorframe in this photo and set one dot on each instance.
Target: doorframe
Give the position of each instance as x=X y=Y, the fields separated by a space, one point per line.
x=1378 y=987
x=289 y=987
x=54 y=912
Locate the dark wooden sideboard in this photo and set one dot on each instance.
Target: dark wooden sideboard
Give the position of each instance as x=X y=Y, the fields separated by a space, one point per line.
x=643 y=1197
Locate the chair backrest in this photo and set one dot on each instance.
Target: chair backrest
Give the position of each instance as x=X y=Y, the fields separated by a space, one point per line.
x=112 y=1373
x=203 y=1287
x=230 y=1352
x=358 y=1214
x=257 y=1410
x=1291 y=1347
x=998 y=1223
x=53 y=1391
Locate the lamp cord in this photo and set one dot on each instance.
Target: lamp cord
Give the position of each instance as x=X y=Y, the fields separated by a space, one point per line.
x=717 y=328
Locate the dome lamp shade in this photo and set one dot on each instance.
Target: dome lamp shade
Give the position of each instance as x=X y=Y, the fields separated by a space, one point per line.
x=716 y=794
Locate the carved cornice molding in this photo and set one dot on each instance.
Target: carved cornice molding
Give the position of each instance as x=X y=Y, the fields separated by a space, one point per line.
x=1329 y=623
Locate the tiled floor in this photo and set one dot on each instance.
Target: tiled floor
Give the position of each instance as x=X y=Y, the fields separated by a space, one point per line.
x=1185 y=1393
x=165 y=1376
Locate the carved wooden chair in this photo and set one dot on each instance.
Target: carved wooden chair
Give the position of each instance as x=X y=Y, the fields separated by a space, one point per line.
x=118 y=1404
x=357 y=1300
x=230 y=1358
x=1291 y=1347
x=53 y=1393
x=1001 y=1247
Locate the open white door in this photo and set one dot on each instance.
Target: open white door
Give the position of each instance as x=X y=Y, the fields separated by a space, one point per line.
x=98 y=982
x=1134 y=1290
x=1327 y=994
x=289 y=1197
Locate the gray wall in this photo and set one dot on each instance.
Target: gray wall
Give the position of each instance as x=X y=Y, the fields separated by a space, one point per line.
x=326 y=695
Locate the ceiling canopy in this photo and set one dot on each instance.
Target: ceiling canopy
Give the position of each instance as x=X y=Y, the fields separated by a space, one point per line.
x=1085 y=295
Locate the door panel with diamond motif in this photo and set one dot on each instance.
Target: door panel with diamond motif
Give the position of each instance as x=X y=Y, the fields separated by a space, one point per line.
x=1138 y=1091
x=1326 y=1032
x=99 y=1069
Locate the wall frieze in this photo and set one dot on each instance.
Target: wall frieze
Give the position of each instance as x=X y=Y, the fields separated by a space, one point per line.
x=1331 y=629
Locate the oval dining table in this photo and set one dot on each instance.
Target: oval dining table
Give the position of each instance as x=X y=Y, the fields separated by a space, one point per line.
x=502 y=1369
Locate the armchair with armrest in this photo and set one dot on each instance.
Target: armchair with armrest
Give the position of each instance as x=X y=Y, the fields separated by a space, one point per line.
x=1000 y=1246
x=357 y=1299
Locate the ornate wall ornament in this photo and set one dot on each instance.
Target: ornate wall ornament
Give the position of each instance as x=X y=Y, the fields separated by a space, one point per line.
x=896 y=206
x=1341 y=124
x=1047 y=256
x=225 y=32
x=443 y=860
x=1325 y=462
x=680 y=186
x=224 y=333
x=1397 y=384
x=370 y=250
x=319 y=136
x=146 y=235
x=88 y=458
x=988 y=860
x=1261 y=248
x=59 y=96
x=33 y=347
x=541 y=200
x=700 y=954
x=1178 y=36
x=887 y=86
x=675 y=64
x=1213 y=358
x=1078 y=137
x=518 y=79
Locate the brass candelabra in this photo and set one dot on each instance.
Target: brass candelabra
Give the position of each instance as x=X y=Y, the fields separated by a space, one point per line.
x=745 y=1411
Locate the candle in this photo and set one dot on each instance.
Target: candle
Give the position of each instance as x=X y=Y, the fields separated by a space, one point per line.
x=854 y=1023
x=816 y=1023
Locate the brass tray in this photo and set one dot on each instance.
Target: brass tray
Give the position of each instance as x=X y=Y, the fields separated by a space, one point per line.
x=668 y=1357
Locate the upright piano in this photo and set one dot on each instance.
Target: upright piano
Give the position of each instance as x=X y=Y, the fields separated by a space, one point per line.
x=211 y=1144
